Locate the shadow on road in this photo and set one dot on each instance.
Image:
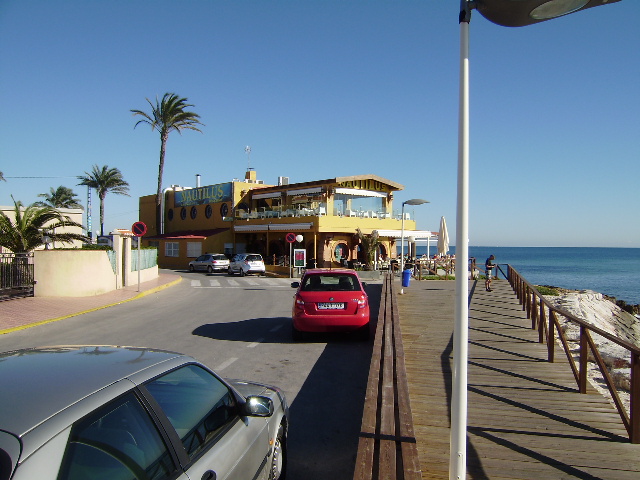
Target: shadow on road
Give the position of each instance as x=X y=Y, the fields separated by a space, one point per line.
x=326 y=414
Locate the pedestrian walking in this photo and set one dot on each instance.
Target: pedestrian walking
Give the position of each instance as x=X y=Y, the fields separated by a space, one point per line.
x=488 y=267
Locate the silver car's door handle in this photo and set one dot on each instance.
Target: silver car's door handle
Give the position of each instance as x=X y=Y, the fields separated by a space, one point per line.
x=209 y=475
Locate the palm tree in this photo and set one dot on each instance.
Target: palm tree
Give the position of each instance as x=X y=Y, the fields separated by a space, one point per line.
x=62 y=197
x=23 y=233
x=2 y=177
x=167 y=115
x=104 y=180
x=369 y=244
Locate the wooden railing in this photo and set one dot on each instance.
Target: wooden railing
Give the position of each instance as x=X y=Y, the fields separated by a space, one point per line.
x=387 y=447
x=544 y=318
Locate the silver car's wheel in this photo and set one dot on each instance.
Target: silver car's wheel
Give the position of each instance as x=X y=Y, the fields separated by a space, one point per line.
x=279 y=460
x=191 y=268
x=242 y=272
x=210 y=269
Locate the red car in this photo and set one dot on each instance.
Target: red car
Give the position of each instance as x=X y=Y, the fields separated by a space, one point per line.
x=330 y=301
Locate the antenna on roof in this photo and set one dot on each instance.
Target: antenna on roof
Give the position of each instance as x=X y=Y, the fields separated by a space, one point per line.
x=247 y=149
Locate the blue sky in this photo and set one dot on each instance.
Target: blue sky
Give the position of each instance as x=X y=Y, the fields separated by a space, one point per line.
x=325 y=88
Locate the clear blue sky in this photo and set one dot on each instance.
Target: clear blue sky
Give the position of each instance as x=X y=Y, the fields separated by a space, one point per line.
x=325 y=88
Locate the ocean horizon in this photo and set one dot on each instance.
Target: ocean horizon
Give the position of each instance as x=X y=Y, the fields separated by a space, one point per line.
x=611 y=271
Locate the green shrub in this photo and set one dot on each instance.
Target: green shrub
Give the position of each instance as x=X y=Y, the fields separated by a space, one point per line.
x=547 y=290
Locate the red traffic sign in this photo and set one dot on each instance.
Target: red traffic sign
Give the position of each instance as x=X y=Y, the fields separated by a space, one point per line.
x=291 y=237
x=139 y=229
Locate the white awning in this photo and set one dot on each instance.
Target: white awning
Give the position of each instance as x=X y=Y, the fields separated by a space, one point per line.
x=305 y=191
x=360 y=193
x=417 y=234
x=271 y=227
x=257 y=196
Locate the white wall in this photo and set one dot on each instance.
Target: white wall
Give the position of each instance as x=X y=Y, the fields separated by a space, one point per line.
x=79 y=273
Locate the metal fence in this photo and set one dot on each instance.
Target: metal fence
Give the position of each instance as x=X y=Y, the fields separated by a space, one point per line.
x=16 y=275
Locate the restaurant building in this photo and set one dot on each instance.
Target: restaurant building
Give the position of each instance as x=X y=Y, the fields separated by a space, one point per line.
x=248 y=216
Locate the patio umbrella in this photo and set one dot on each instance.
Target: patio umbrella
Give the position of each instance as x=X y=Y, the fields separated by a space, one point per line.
x=443 y=238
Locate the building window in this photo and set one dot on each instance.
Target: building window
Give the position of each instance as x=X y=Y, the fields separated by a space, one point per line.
x=170 y=214
x=208 y=211
x=194 y=213
x=224 y=210
x=194 y=249
x=171 y=249
x=183 y=213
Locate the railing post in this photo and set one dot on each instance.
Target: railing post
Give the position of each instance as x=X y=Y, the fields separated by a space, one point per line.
x=584 y=354
x=634 y=408
x=551 y=339
x=535 y=315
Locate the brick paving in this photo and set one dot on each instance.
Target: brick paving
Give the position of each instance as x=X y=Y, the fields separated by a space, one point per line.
x=26 y=312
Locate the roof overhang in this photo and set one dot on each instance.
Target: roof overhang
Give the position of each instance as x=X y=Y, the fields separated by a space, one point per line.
x=193 y=234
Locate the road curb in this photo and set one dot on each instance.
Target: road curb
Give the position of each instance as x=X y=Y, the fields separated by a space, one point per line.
x=139 y=295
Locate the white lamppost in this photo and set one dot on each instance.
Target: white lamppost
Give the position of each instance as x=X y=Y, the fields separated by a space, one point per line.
x=509 y=13
x=413 y=201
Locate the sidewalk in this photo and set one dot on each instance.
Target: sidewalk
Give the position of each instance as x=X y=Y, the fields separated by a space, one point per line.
x=28 y=312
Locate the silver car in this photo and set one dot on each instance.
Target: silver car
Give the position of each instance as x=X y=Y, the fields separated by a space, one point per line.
x=102 y=412
x=246 y=263
x=210 y=262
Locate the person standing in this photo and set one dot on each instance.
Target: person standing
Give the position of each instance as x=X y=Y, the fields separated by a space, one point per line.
x=488 y=267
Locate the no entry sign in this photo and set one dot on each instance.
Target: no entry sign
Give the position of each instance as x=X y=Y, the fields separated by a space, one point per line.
x=291 y=237
x=139 y=229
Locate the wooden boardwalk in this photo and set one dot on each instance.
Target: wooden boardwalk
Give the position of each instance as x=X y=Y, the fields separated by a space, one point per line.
x=526 y=418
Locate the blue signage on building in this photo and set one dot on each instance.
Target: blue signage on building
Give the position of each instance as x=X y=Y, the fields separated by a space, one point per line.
x=204 y=195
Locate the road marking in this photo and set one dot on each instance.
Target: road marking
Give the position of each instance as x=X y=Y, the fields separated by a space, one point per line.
x=252 y=282
x=225 y=364
x=256 y=343
x=214 y=283
x=233 y=283
x=195 y=283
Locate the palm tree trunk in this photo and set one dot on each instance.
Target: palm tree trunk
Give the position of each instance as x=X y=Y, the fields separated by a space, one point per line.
x=102 y=214
x=163 y=145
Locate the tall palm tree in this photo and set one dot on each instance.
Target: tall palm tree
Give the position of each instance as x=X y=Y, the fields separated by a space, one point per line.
x=2 y=177
x=23 y=233
x=62 y=197
x=104 y=180
x=167 y=115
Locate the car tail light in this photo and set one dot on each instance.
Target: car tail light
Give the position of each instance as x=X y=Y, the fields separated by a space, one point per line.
x=362 y=302
x=299 y=302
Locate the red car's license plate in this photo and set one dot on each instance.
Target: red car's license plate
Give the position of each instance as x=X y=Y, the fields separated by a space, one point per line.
x=331 y=306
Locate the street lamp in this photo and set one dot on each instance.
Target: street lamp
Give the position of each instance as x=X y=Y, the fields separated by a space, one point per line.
x=510 y=13
x=413 y=201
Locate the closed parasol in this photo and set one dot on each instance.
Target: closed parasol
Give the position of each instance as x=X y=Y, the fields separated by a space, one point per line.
x=443 y=238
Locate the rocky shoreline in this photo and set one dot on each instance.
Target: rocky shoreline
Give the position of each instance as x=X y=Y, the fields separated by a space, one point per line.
x=605 y=313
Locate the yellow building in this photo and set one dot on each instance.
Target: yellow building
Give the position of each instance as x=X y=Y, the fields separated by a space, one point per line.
x=248 y=216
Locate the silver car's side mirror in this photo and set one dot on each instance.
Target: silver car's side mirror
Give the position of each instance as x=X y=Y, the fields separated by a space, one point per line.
x=257 y=406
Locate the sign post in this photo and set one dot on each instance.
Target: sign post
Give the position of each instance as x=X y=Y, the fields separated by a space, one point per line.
x=290 y=238
x=139 y=229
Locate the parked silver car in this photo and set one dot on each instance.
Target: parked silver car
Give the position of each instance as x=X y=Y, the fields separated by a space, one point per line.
x=246 y=263
x=102 y=412
x=211 y=262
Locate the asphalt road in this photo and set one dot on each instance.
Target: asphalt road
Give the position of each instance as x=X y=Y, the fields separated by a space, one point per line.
x=240 y=327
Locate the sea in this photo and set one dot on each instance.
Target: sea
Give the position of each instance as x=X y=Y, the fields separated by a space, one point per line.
x=611 y=271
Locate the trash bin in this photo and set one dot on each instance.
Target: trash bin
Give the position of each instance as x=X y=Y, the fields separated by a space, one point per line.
x=406 y=277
